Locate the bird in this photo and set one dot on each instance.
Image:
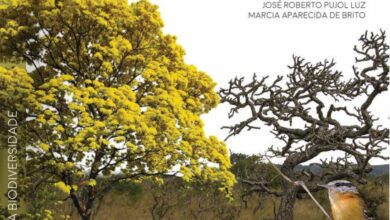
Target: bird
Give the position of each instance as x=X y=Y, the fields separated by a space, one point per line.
x=345 y=201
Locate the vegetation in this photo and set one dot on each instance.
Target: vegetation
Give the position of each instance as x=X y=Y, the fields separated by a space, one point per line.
x=110 y=121
x=107 y=97
x=177 y=200
x=314 y=110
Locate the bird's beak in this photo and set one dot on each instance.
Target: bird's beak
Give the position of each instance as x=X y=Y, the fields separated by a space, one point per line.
x=324 y=185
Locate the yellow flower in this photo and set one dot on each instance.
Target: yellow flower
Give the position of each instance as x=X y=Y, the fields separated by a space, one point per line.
x=44 y=147
x=63 y=187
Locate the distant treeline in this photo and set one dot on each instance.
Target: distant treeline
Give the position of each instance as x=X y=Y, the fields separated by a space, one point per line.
x=377 y=170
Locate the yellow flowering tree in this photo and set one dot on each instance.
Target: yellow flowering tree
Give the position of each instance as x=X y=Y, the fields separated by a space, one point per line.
x=106 y=97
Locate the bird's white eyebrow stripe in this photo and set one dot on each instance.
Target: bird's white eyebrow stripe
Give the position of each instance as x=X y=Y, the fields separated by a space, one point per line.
x=344 y=184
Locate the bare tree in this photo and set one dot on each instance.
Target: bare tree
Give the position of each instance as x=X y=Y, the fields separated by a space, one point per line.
x=315 y=110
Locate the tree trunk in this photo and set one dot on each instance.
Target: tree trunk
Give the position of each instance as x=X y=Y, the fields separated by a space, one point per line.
x=286 y=208
x=84 y=213
x=87 y=214
x=85 y=217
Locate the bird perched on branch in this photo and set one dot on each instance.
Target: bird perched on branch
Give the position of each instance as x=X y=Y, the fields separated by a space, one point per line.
x=345 y=201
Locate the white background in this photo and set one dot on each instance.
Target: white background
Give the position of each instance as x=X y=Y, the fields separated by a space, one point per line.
x=221 y=40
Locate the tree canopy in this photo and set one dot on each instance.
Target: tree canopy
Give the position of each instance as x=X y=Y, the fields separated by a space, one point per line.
x=106 y=97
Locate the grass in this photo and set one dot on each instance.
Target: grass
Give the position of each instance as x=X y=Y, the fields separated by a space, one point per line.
x=137 y=203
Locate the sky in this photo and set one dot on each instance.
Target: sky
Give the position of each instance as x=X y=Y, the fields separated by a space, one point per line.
x=221 y=40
